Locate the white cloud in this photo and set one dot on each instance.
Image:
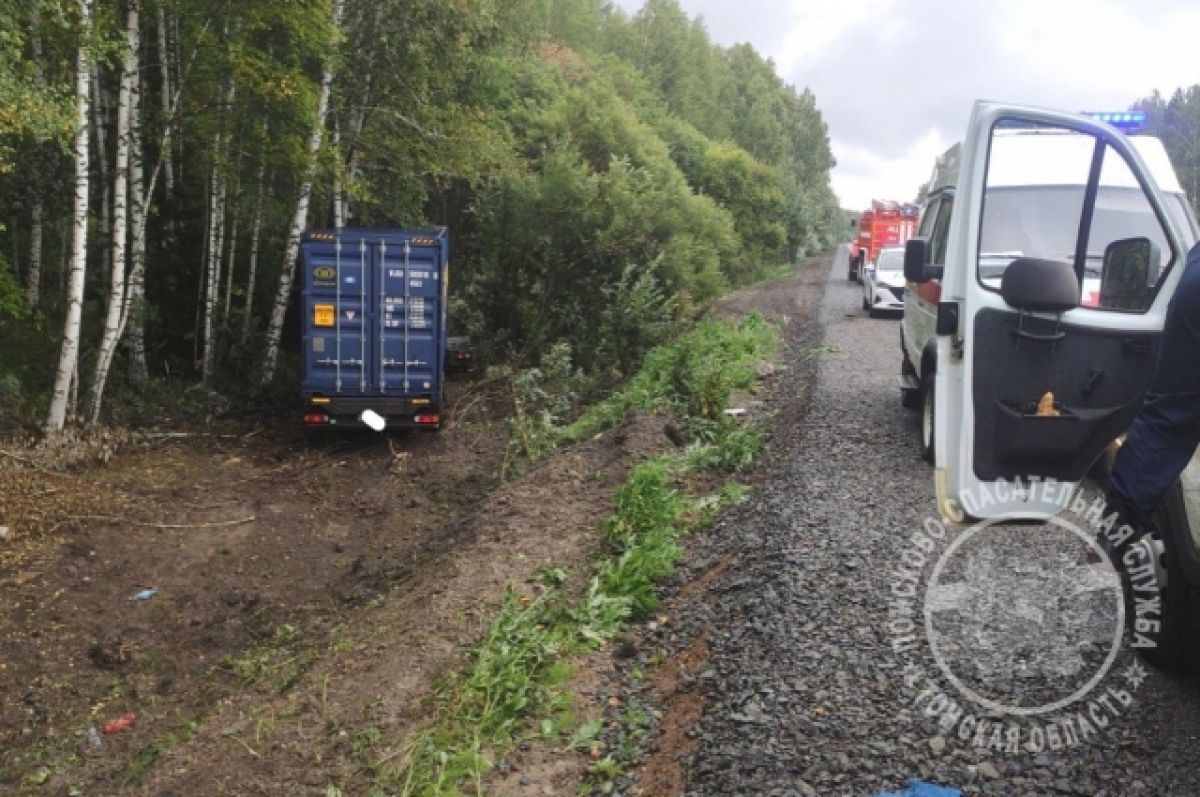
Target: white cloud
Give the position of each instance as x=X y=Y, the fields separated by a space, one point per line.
x=895 y=80
x=862 y=174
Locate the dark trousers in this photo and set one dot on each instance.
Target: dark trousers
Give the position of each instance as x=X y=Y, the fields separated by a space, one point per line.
x=1164 y=435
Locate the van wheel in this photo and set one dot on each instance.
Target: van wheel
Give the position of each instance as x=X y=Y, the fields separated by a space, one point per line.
x=1152 y=569
x=928 y=405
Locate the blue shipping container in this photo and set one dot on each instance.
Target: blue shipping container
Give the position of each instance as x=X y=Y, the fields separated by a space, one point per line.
x=373 y=315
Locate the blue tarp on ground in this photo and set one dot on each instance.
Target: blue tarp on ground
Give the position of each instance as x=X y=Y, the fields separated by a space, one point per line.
x=917 y=788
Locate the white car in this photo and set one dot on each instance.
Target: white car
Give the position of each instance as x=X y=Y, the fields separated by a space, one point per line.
x=883 y=282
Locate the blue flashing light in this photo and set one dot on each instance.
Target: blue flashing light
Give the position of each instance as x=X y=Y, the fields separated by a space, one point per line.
x=1125 y=121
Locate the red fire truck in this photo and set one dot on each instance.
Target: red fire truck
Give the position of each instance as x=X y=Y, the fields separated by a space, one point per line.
x=882 y=224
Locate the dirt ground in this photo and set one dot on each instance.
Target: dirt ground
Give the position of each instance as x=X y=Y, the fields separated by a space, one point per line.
x=306 y=595
x=272 y=611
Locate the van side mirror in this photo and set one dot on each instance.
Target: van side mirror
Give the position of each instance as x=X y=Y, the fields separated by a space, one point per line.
x=917 y=267
x=1130 y=269
x=1036 y=285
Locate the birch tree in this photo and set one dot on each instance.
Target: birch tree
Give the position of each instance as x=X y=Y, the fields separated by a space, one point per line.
x=33 y=278
x=255 y=237
x=165 y=94
x=216 y=234
x=139 y=200
x=135 y=298
x=300 y=217
x=121 y=195
x=68 y=360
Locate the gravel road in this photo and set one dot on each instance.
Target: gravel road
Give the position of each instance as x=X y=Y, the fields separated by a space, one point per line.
x=816 y=685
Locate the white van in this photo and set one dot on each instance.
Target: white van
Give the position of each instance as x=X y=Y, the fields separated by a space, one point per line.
x=1047 y=253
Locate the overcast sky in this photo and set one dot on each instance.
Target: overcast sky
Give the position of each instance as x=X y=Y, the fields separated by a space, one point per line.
x=895 y=79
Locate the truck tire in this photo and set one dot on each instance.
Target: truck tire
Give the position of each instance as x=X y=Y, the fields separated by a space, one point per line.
x=928 y=408
x=1174 y=647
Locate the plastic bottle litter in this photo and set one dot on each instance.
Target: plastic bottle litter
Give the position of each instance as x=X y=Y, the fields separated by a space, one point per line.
x=144 y=595
x=123 y=722
x=93 y=738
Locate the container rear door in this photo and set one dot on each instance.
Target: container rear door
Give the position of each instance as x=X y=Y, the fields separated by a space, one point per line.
x=408 y=303
x=337 y=342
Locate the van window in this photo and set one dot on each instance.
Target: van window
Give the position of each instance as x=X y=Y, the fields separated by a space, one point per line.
x=1122 y=212
x=1033 y=206
x=941 y=232
x=927 y=219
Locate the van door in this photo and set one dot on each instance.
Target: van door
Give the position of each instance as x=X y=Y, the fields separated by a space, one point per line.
x=1032 y=386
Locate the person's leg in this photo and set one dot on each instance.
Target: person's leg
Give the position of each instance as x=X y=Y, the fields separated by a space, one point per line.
x=1164 y=435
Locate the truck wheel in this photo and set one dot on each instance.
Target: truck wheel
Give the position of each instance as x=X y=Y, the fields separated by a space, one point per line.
x=1152 y=568
x=928 y=407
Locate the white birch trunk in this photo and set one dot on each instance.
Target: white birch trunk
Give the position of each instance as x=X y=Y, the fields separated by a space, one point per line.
x=255 y=235
x=73 y=403
x=229 y=271
x=139 y=198
x=33 y=278
x=100 y=157
x=216 y=237
x=300 y=217
x=165 y=96
x=211 y=266
x=68 y=359
x=339 y=183
x=135 y=297
x=120 y=231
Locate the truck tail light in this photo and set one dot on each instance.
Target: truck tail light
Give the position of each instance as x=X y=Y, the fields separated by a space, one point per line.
x=426 y=420
x=315 y=419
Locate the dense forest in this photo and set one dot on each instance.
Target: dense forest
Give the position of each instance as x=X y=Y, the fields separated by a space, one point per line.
x=603 y=176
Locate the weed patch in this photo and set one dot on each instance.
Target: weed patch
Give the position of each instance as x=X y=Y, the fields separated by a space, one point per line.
x=513 y=687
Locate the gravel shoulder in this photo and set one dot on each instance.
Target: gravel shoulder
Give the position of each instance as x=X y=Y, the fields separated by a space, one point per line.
x=802 y=688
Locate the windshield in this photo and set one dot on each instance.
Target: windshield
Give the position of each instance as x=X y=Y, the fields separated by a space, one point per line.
x=1043 y=222
x=890 y=260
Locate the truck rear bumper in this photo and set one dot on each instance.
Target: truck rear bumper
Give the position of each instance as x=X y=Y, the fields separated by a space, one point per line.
x=344 y=412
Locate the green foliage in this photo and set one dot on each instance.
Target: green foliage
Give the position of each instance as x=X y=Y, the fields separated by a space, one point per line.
x=604 y=176
x=643 y=532
x=693 y=375
x=1177 y=123
x=12 y=304
x=725 y=445
x=511 y=674
x=542 y=397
